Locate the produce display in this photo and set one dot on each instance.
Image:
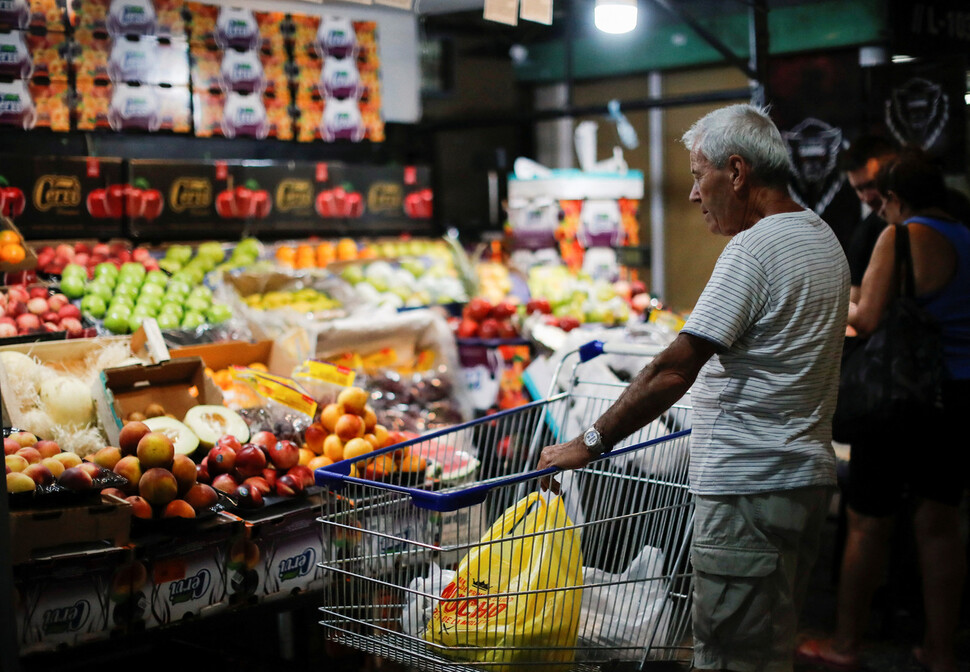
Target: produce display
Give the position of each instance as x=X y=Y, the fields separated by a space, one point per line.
x=40 y=466
x=52 y=259
x=408 y=283
x=304 y=300
x=35 y=310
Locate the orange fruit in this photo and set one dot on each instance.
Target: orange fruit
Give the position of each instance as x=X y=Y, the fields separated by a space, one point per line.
x=7 y=236
x=333 y=448
x=12 y=253
x=346 y=249
x=318 y=462
x=285 y=252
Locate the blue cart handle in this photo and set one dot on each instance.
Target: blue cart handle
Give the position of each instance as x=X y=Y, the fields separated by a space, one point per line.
x=337 y=475
x=594 y=349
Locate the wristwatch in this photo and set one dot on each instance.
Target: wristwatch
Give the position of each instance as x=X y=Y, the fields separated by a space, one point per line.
x=593 y=441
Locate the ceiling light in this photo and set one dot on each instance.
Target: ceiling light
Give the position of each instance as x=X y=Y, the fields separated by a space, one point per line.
x=615 y=16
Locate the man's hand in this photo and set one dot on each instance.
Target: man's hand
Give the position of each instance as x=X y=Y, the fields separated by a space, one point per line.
x=570 y=455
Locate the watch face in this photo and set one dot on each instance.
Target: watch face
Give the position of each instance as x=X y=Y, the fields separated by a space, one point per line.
x=591 y=437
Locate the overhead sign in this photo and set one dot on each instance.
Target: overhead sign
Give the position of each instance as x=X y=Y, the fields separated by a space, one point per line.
x=931 y=26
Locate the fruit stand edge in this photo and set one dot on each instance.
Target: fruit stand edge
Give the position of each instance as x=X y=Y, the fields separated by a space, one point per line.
x=9 y=658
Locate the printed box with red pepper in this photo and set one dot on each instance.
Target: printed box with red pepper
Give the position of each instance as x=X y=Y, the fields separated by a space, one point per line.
x=290 y=188
x=134 y=58
x=393 y=193
x=214 y=69
x=243 y=114
x=31 y=104
x=64 y=195
x=162 y=18
x=235 y=27
x=246 y=196
x=189 y=190
x=133 y=106
x=25 y=55
x=36 y=14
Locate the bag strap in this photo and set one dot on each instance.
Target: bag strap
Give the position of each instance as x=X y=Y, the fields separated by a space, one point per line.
x=904 y=263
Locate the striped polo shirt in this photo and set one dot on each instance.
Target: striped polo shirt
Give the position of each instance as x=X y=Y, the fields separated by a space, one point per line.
x=777 y=304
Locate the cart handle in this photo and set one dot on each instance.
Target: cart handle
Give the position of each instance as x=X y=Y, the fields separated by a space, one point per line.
x=337 y=475
x=594 y=349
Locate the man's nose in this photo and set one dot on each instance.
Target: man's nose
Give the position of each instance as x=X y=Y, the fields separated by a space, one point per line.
x=695 y=195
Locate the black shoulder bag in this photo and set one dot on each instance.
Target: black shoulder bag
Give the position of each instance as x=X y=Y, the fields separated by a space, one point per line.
x=894 y=377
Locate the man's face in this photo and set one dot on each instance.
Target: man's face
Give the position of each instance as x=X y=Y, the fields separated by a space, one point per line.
x=713 y=190
x=863 y=180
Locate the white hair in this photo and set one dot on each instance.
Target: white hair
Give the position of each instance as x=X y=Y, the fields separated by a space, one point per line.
x=747 y=131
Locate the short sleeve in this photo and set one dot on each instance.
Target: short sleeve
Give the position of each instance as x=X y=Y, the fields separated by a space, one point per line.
x=732 y=300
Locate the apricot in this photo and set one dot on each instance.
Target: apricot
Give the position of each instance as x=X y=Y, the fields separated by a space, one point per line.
x=330 y=414
x=107 y=457
x=353 y=399
x=306 y=455
x=314 y=436
x=356 y=447
x=380 y=466
x=319 y=462
x=20 y=482
x=201 y=496
x=56 y=466
x=333 y=448
x=349 y=427
x=158 y=486
x=140 y=508
x=25 y=439
x=68 y=459
x=370 y=419
x=16 y=463
x=413 y=463
x=184 y=471
x=130 y=468
x=372 y=440
x=178 y=508
x=155 y=450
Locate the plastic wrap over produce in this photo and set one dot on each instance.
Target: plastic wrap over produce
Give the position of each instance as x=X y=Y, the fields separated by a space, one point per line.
x=407 y=360
x=272 y=303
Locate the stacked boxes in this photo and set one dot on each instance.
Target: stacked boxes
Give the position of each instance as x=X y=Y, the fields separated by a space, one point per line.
x=239 y=73
x=33 y=57
x=131 y=66
x=336 y=79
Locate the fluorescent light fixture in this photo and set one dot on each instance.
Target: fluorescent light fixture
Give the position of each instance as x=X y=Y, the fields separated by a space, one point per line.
x=615 y=16
x=966 y=98
x=902 y=58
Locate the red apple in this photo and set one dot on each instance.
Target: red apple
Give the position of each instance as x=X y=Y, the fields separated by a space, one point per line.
x=288 y=486
x=38 y=293
x=226 y=483
x=503 y=310
x=58 y=301
x=249 y=497
x=230 y=441
x=284 y=455
x=221 y=460
x=7 y=331
x=28 y=322
x=38 y=306
x=302 y=473
x=69 y=310
x=478 y=309
x=489 y=329
x=250 y=461
x=265 y=439
x=467 y=329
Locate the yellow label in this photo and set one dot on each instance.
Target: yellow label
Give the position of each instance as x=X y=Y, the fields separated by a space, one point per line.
x=190 y=192
x=294 y=195
x=57 y=191
x=382 y=359
x=327 y=373
x=384 y=197
x=667 y=319
x=277 y=388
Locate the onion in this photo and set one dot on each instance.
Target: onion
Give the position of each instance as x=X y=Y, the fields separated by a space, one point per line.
x=67 y=401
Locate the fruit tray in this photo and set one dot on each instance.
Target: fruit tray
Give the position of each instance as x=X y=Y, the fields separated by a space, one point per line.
x=272 y=504
x=57 y=495
x=176 y=526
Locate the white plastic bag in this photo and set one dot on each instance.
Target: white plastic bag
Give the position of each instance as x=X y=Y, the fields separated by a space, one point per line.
x=420 y=599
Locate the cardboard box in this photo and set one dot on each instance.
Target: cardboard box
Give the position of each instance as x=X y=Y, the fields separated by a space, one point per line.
x=120 y=106
x=39 y=15
x=67 y=600
x=36 y=104
x=235 y=113
x=162 y=18
x=146 y=59
x=186 y=576
x=44 y=531
x=249 y=30
x=278 y=553
x=121 y=390
x=29 y=55
x=214 y=69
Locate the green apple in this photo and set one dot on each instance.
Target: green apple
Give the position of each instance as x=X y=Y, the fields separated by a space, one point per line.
x=151 y=289
x=152 y=302
x=74 y=270
x=133 y=269
x=171 y=308
x=201 y=291
x=143 y=311
x=99 y=289
x=121 y=300
x=198 y=304
x=124 y=288
x=107 y=269
x=177 y=286
x=93 y=305
x=72 y=286
x=352 y=274
x=218 y=313
x=192 y=320
x=167 y=321
x=118 y=310
x=134 y=322
x=117 y=323
x=156 y=278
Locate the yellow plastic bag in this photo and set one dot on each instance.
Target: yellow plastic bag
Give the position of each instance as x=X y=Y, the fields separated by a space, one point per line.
x=530 y=552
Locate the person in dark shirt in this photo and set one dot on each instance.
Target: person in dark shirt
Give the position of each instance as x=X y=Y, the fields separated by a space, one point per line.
x=861 y=163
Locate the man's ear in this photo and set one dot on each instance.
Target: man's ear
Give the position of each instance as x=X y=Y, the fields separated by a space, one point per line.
x=739 y=171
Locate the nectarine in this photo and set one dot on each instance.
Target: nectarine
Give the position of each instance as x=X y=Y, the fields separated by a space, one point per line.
x=184 y=471
x=330 y=414
x=349 y=427
x=155 y=450
x=353 y=399
x=333 y=448
x=178 y=508
x=201 y=496
x=130 y=435
x=158 y=486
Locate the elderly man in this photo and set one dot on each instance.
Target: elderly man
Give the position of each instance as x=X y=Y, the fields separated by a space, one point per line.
x=763 y=345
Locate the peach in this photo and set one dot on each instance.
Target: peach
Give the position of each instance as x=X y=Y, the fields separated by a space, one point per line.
x=130 y=435
x=353 y=399
x=306 y=455
x=250 y=461
x=303 y=473
x=288 y=486
x=184 y=471
x=16 y=463
x=47 y=448
x=68 y=459
x=178 y=508
x=284 y=455
x=249 y=497
x=25 y=439
x=91 y=469
x=201 y=496
x=10 y=446
x=380 y=431
x=258 y=483
x=20 y=482
x=140 y=508
x=220 y=460
x=41 y=474
x=330 y=414
x=130 y=468
x=155 y=450
x=226 y=483
x=158 y=486
x=31 y=454
x=107 y=457
x=76 y=478
x=372 y=440
x=115 y=492
x=349 y=427
x=333 y=448
x=56 y=466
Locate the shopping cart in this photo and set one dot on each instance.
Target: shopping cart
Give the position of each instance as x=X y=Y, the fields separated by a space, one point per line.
x=393 y=541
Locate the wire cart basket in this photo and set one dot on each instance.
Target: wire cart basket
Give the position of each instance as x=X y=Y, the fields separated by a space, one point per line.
x=393 y=540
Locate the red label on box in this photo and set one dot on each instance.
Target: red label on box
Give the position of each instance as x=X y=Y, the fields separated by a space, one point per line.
x=94 y=168
x=222 y=170
x=321 y=172
x=410 y=175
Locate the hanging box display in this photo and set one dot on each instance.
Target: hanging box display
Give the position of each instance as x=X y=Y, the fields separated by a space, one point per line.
x=36 y=14
x=67 y=197
x=162 y=18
